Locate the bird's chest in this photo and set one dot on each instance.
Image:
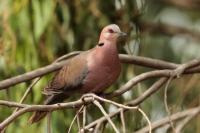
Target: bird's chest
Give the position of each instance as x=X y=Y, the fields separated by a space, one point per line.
x=102 y=73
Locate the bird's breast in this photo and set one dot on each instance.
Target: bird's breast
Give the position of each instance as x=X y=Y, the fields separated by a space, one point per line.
x=102 y=73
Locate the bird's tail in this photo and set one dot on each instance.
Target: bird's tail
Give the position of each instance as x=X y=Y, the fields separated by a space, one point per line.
x=38 y=115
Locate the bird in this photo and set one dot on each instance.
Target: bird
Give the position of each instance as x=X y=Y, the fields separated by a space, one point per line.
x=91 y=71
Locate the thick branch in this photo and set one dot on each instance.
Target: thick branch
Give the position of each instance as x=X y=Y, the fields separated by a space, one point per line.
x=147 y=62
x=57 y=64
x=31 y=75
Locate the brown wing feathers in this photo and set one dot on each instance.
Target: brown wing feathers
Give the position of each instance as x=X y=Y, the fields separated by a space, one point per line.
x=67 y=80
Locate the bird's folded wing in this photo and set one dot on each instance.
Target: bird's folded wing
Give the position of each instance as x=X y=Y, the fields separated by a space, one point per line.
x=70 y=77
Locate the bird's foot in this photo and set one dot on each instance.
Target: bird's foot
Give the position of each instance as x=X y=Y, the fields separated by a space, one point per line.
x=87 y=97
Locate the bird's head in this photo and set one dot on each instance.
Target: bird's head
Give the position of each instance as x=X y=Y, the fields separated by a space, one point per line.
x=112 y=33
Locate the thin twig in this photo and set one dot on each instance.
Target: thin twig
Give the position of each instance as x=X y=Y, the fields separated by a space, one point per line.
x=146 y=117
x=102 y=119
x=78 y=120
x=166 y=104
x=91 y=95
x=126 y=87
x=67 y=56
x=75 y=119
x=97 y=127
x=122 y=121
x=106 y=115
x=84 y=116
x=49 y=122
x=177 y=72
x=155 y=87
x=27 y=92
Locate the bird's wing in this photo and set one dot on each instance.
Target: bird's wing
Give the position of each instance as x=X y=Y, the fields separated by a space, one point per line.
x=70 y=77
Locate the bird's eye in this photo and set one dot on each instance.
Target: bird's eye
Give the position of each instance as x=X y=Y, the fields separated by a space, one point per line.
x=100 y=44
x=110 y=31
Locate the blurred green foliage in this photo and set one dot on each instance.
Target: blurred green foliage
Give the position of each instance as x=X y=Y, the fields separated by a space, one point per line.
x=33 y=33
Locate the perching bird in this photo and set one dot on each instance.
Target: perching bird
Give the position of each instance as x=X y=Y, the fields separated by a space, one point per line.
x=91 y=71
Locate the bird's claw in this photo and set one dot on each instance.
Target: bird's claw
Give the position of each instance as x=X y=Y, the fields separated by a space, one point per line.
x=88 y=95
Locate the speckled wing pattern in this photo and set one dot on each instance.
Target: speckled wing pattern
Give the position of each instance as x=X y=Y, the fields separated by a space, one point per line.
x=70 y=77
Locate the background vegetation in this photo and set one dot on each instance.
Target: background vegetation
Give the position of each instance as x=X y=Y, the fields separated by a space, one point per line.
x=33 y=33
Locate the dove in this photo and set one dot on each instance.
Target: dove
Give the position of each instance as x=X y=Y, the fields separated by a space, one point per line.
x=91 y=71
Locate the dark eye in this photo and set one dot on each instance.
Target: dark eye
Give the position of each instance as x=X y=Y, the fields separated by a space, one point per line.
x=110 y=31
x=100 y=44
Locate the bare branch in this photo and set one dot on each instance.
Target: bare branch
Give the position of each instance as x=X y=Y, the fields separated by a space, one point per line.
x=102 y=119
x=27 y=92
x=155 y=87
x=145 y=116
x=78 y=112
x=38 y=72
x=106 y=115
x=137 y=79
x=84 y=116
x=49 y=122
x=181 y=125
x=78 y=119
x=147 y=62
x=174 y=117
x=166 y=104
x=123 y=121
x=31 y=75
x=31 y=108
x=97 y=127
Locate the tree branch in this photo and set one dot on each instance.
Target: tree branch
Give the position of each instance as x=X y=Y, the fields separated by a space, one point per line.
x=174 y=117
x=31 y=108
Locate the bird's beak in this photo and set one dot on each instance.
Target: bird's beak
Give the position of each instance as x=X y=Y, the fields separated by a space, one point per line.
x=122 y=34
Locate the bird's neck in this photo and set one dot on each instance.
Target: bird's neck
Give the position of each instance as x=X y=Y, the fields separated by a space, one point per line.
x=107 y=53
x=104 y=56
